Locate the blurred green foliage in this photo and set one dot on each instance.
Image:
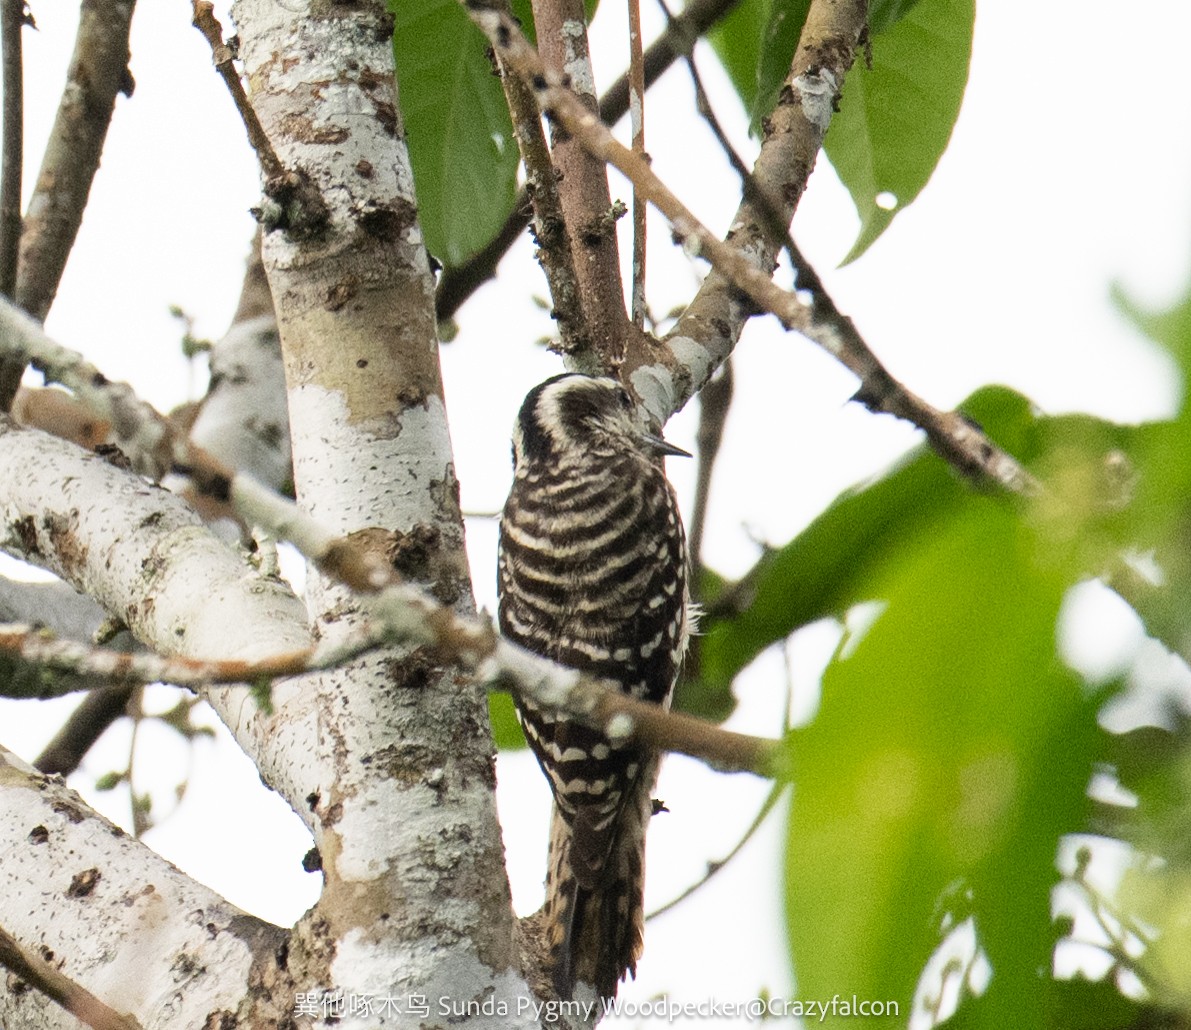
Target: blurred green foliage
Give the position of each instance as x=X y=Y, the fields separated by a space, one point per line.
x=952 y=750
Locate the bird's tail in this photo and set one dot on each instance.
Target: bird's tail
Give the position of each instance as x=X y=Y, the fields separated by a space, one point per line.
x=594 y=911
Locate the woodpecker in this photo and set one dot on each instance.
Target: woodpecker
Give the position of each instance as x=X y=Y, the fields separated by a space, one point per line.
x=593 y=574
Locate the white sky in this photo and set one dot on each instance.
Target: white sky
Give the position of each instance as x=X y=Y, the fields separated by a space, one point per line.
x=1069 y=169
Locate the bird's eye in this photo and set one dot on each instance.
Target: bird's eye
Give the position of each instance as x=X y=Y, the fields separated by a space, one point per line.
x=626 y=401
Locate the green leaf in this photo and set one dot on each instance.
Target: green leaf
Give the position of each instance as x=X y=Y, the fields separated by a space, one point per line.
x=883 y=14
x=736 y=40
x=1170 y=328
x=783 y=27
x=461 y=143
x=1158 y=481
x=950 y=753
x=523 y=12
x=109 y=781
x=506 y=729
x=895 y=119
x=776 y=25
x=830 y=565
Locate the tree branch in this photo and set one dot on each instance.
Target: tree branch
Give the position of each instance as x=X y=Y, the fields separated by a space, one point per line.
x=12 y=16
x=75 y=999
x=455 y=285
x=74 y=884
x=149 y=440
x=637 y=115
x=98 y=72
x=586 y=202
x=952 y=435
x=12 y=21
x=549 y=224
x=713 y=867
x=242 y=421
x=140 y=552
x=83 y=727
x=401 y=614
x=714 y=401
x=298 y=204
x=39 y=666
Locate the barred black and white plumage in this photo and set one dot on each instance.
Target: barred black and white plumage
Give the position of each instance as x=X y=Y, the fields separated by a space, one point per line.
x=592 y=574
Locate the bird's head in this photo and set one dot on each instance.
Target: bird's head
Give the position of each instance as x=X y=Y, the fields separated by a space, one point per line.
x=574 y=412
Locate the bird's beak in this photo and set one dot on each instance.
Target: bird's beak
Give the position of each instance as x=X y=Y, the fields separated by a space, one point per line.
x=660 y=446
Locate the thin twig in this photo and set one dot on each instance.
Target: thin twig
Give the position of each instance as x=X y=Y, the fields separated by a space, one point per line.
x=714 y=867
x=152 y=442
x=714 y=401
x=85 y=725
x=300 y=206
x=12 y=21
x=98 y=72
x=456 y=284
x=561 y=105
x=73 y=997
x=879 y=391
x=224 y=59
x=637 y=122
x=549 y=226
x=81 y=665
x=766 y=206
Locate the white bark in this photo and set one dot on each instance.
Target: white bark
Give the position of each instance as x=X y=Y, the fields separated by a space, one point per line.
x=108 y=913
x=416 y=899
x=139 y=551
x=146 y=557
x=243 y=420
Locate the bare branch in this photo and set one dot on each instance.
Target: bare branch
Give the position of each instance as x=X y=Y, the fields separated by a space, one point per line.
x=637 y=118
x=565 y=108
x=255 y=296
x=31 y=656
x=12 y=18
x=714 y=401
x=12 y=21
x=223 y=56
x=955 y=438
x=151 y=442
x=402 y=613
x=77 y=1000
x=586 y=202
x=549 y=224
x=771 y=799
x=242 y=422
x=98 y=72
x=457 y=284
x=83 y=727
x=116 y=889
